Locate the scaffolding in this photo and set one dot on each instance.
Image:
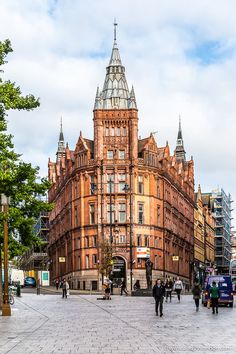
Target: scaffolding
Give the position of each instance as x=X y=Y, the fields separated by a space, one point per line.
x=37 y=257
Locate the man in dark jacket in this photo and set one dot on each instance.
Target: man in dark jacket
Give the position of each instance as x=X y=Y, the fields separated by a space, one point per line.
x=158 y=292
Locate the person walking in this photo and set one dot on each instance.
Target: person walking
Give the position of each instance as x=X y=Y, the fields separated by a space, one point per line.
x=65 y=288
x=214 y=295
x=196 y=291
x=108 y=290
x=168 y=288
x=123 y=288
x=178 y=287
x=57 y=283
x=158 y=292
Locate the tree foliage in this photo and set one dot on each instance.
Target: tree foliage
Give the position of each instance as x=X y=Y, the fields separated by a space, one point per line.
x=105 y=265
x=18 y=180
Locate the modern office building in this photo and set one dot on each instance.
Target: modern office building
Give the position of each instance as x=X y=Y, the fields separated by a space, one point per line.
x=221 y=203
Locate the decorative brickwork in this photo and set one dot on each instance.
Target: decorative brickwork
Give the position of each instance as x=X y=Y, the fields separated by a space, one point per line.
x=149 y=201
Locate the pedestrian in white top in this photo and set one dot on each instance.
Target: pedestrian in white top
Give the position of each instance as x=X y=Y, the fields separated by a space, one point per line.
x=65 y=288
x=178 y=287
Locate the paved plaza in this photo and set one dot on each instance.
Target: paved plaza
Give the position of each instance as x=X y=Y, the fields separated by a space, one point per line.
x=82 y=324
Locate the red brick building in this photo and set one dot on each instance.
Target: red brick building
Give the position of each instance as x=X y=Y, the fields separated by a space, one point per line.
x=122 y=189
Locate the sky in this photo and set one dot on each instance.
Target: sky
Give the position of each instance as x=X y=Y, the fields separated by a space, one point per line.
x=180 y=56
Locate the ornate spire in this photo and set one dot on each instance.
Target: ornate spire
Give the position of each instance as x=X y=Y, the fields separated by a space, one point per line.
x=115 y=93
x=61 y=145
x=180 y=130
x=132 y=100
x=179 y=150
x=61 y=136
x=199 y=193
x=97 y=103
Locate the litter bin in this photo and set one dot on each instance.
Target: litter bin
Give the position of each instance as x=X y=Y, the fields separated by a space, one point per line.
x=18 y=290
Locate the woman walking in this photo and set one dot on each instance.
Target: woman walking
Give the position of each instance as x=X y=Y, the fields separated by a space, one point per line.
x=123 y=288
x=178 y=287
x=196 y=291
x=168 y=288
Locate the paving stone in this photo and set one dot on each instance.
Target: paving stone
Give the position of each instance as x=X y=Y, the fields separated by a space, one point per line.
x=81 y=324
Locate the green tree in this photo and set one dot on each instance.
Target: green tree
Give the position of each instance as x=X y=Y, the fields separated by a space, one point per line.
x=106 y=262
x=18 y=179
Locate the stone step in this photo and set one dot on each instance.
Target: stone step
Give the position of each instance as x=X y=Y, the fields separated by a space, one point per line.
x=142 y=292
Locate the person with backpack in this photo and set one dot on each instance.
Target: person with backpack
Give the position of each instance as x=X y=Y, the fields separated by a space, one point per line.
x=158 y=292
x=178 y=287
x=196 y=291
x=214 y=295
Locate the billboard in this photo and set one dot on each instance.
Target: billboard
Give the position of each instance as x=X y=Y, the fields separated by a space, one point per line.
x=143 y=252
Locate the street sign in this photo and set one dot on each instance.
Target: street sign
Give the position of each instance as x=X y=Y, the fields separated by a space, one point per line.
x=175 y=258
x=62 y=259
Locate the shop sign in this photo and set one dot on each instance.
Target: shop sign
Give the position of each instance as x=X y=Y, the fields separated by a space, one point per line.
x=175 y=258
x=143 y=252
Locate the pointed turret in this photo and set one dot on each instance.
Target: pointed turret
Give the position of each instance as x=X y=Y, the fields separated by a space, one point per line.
x=61 y=145
x=199 y=193
x=132 y=100
x=179 y=150
x=97 y=103
x=115 y=93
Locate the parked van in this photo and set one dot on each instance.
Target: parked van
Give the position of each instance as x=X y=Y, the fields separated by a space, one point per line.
x=224 y=283
x=16 y=276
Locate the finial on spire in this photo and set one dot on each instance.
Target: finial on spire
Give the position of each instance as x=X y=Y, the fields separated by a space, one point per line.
x=61 y=136
x=115 y=24
x=61 y=143
x=179 y=151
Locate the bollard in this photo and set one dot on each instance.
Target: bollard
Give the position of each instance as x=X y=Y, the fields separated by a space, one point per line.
x=38 y=288
x=18 y=290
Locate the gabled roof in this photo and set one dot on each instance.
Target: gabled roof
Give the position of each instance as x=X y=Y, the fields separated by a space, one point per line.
x=147 y=144
x=84 y=144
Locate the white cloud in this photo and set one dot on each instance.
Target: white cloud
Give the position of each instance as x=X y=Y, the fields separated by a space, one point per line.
x=61 y=49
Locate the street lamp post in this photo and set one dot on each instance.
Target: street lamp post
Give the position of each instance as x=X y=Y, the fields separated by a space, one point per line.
x=111 y=207
x=6 y=309
x=129 y=189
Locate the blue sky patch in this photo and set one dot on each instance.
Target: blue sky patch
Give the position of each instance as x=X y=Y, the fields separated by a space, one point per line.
x=209 y=52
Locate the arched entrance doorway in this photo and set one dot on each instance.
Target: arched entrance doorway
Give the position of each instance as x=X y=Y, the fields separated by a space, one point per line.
x=118 y=271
